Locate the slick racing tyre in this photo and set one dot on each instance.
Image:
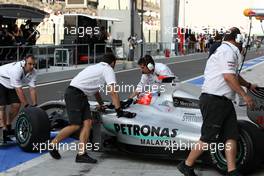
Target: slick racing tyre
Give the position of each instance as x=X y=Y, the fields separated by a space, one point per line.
x=248 y=149
x=32 y=129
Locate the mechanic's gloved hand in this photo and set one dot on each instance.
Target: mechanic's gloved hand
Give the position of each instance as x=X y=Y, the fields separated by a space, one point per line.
x=126 y=104
x=110 y=106
x=121 y=113
x=101 y=108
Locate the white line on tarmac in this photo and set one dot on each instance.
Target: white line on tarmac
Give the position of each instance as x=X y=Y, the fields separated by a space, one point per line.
x=248 y=68
x=191 y=79
x=121 y=71
x=171 y=63
x=29 y=164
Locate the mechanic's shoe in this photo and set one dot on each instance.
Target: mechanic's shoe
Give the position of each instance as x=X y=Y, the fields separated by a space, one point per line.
x=54 y=153
x=11 y=132
x=234 y=173
x=84 y=158
x=186 y=170
x=6 y=138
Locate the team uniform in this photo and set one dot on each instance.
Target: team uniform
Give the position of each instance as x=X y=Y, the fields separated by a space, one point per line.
x=13 y=76
x=152 y=80
x=86 y=83
x=219 y=116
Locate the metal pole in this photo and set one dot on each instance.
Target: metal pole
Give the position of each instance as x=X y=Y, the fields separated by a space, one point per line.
x=76 y=55
x=88 y=55
x=149 y=35
x=157 y=36
x=184 y=49
x=142 y=35
x=184 y=14
x=18 y=53
x=132 y=12
x=47 y=61
x=95 y=53
x=37 y=58
x=62 y=59
x=54 y=33
x=119 y=5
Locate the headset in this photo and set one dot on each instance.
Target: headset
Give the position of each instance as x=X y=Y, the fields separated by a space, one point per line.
x=239 y=38
x=23 y=62
x=149 y=65
x=236 y=35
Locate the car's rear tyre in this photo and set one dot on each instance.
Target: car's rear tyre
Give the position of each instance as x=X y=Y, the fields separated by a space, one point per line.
x=32 y=129
x=248 y=150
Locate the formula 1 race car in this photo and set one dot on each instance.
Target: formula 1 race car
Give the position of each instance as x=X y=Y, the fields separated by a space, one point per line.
x=167 y=125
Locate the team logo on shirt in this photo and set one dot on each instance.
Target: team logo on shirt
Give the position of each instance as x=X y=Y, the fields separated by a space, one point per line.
x=231 y=64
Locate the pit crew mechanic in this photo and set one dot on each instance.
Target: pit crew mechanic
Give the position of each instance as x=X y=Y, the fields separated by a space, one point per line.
x=222 y=81
x=152 y=73
x=87 y=83
x=12 y=78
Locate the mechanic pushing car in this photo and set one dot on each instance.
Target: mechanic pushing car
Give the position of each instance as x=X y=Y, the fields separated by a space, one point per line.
x=152 y=73
x=12 y=78
x=222 y=81
x=87 y=83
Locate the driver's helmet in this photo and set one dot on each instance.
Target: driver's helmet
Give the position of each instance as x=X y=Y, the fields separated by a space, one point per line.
x=146 y=97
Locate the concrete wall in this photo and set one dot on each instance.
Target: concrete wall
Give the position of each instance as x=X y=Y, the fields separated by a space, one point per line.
x=169 y=19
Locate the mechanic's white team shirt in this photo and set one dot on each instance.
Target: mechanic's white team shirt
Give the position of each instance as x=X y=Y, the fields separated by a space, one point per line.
x=226 y=59
x=151 y=80
x=12 y=75
x=94 y=77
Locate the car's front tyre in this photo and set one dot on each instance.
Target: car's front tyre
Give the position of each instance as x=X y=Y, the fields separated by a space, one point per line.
x=32 y=129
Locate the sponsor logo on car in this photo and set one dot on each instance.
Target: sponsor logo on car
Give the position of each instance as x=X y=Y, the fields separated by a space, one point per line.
x=185 y=102
x=145 y=130
x=191 y=117
x=163 y=143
